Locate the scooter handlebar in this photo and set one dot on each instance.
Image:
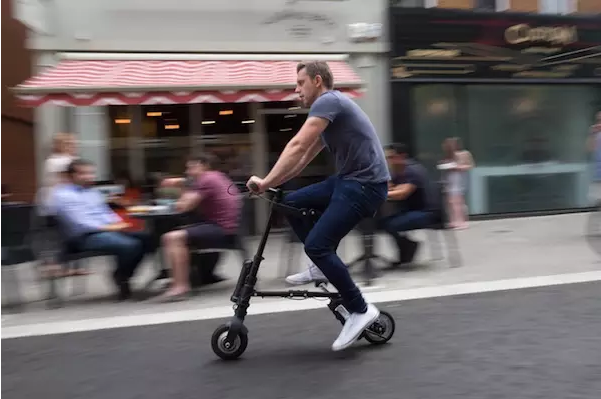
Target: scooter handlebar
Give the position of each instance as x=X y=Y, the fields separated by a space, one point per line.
x=242 y=187
x=253 y=186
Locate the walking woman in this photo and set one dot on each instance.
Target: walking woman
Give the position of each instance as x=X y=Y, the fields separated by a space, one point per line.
x=456 y=163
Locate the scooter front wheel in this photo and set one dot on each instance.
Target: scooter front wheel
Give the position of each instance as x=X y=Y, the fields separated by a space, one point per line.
x=227 y=350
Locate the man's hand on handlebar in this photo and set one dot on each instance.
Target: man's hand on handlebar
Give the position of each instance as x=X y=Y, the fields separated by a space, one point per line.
x=256 y=185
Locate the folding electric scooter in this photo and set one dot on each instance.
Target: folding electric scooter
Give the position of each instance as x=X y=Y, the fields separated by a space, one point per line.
x=229 y=341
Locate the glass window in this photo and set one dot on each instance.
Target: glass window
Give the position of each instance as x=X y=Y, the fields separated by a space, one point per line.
x=290 y=105
x=438 y=116
x=528 y=141
x=530 y=144
x=120 y=125
x=226 y=132
x=556 y=6
x=408 y=3
x=489 y=5
x=166 y=138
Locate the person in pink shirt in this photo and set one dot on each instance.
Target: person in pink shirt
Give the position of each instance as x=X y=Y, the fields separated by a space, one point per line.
x=215 y=201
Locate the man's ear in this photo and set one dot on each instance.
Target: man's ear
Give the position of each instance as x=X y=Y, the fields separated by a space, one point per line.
x=318 y=80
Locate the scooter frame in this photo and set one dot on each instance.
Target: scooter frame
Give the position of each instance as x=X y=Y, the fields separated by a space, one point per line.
x=230 y=340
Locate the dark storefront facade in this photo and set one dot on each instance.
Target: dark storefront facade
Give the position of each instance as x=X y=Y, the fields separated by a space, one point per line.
x=520 y=90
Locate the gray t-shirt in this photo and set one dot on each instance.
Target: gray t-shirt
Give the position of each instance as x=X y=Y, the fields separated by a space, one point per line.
x=352 y=139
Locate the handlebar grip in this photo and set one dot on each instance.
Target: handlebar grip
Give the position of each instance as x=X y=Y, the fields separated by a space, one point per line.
x=253 y=186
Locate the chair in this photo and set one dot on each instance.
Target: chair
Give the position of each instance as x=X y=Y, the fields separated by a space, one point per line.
x=437 y=226
x=235 y=242
x=42 y=227
x=16 y=248
x=368 y=228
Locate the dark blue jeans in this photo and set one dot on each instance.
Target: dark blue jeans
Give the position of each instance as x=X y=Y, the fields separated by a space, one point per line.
x=344 y=204
x=128 y=248
x=405 y=221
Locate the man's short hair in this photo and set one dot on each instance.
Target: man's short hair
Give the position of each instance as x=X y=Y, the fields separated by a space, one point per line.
x=207 y=159
x=76 y=164
x=398 y=148
x=321 y=68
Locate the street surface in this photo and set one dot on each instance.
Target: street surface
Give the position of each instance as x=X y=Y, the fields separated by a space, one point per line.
x=531 y=343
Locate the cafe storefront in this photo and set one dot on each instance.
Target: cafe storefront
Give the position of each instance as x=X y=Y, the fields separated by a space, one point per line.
x=519 y=90
x=158 y=109
x=143 y=84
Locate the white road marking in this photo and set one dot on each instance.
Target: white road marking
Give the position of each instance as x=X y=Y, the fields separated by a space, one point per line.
x=63 y=327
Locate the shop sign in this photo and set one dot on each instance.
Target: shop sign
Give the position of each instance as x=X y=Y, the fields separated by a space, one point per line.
x=555 y=35
x=364 y=32
x=302 y=23
x=461 y=45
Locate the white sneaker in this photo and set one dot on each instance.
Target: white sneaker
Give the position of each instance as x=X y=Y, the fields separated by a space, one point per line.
x=311 y=274
x=354 y=326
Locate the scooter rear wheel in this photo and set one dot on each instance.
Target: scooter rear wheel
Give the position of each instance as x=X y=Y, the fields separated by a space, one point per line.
x=381 y=330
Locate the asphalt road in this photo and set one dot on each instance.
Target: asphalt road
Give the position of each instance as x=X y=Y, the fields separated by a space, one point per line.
x=534 y=343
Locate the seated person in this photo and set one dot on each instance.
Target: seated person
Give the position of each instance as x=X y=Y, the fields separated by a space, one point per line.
x=90 y=225
x=211 y=197
x=409 y=189
x=410 y=192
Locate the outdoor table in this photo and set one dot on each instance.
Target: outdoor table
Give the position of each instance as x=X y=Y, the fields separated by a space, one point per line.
x=160 y=220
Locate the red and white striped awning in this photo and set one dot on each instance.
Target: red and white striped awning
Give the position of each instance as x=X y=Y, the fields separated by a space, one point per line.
x=89 y=82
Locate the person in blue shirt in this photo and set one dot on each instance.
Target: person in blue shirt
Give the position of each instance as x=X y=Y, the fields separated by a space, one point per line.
x=411 y=193
x=90 y=225
x=354 y=193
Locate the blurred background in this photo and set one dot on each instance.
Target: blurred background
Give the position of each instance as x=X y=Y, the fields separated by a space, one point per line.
x=142 y=84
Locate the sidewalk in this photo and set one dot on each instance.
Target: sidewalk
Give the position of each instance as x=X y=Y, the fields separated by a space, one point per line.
x=490 y=250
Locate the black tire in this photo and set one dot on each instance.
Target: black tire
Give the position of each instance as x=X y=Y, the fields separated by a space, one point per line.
x=384 y=326
x=218 y=343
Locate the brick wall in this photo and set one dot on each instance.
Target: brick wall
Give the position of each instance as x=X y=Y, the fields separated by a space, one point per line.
x=455 y=3
x=523 y=5
x=584 y=6
x=589 y=6
x=18 y=158
x=18 y=151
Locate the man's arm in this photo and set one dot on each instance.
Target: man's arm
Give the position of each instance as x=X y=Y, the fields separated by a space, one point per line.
x=188 y=201
x=173 y=182
x=466 y=161
x=309 y=156
x=295 y=150
x=401 y=191
x=323 y=112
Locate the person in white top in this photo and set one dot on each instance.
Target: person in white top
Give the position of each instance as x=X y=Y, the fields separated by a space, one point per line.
x=64 y=151
x=594 y=147
x=456 y=164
